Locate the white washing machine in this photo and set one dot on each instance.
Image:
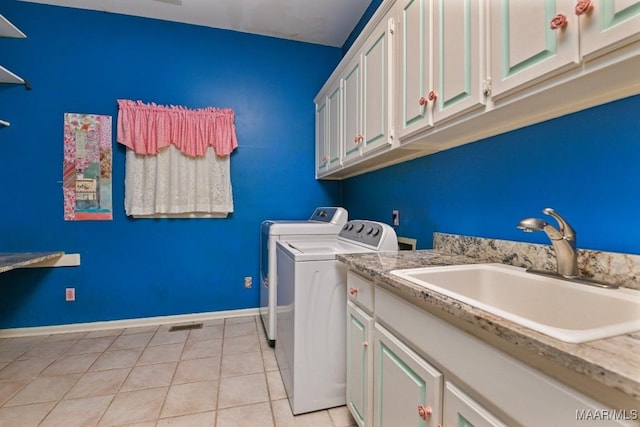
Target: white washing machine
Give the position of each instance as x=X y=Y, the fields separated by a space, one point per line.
x=324 y=222
x=312 y=305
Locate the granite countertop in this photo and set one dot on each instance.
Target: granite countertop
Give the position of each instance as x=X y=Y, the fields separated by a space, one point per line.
x=613 y=362
x=10 y=261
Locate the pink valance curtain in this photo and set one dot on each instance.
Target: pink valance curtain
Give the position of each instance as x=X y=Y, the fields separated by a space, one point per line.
x=147 y=128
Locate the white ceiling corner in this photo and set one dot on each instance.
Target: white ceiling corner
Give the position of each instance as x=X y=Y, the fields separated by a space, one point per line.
x=325 y=22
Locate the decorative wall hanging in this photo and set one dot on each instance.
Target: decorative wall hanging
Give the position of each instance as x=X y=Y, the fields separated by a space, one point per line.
x=87 y=167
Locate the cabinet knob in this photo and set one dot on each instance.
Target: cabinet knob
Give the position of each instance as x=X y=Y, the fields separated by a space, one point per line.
x=358 y=139
x=365 y=344
x=424 y=411
x=325 y=159
x=353 y=291
x=583 y=7
x=431 y=96
x=559 y=22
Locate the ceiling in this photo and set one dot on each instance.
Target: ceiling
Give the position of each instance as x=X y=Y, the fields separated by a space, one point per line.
x=325 y=22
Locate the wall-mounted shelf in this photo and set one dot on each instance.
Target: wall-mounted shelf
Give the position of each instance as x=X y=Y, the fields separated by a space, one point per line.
x=7 y=29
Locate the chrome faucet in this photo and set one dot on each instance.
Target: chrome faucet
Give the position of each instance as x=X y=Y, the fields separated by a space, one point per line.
x=562 y=239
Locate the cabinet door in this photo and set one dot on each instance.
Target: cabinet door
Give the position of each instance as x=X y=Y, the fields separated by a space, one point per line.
x=359 y=364
x=414 y=75
x=322 y=157
x=458 y=55
x=376 y=80
x=524 y=47
x=608 y=24
x=407 y=390
x=352 y=103
x=334 y=127
x=462 y=411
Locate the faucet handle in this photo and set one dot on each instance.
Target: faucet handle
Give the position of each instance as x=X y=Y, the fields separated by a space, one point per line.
x=567 y=231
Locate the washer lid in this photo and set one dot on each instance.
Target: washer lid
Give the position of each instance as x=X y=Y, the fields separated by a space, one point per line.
x=318 y=250
x=276 y=228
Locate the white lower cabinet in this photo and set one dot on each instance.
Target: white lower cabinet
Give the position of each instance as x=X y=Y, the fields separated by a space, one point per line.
x=462 y=411
x=359 y=362
x=407 y=390
x=425 y=372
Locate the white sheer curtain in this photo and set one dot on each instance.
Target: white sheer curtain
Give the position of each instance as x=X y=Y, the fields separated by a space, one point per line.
x=177 y=161
x=171 y=183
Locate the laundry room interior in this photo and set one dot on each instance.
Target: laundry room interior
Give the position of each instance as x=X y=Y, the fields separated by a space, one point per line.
x=127 y=271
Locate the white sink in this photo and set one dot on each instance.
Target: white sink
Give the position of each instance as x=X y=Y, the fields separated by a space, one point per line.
x=568 y=311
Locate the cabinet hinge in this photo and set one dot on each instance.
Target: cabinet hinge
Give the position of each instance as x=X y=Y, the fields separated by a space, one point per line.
x=391 y=25
x=486 y=87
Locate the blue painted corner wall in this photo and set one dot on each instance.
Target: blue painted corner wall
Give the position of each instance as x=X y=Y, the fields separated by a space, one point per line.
x=83 y=61
x=585 y=165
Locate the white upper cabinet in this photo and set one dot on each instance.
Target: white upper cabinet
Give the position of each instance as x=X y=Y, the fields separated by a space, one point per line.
x=366 y=96
x=428 y=75
x=605 y=25
x=351 y=110
x=334 y=128
x=458 y=57
x=530 y=40
x=416 y=93
x=441 y=62
x=328 y=130
x=376 y=83
x=322 y=156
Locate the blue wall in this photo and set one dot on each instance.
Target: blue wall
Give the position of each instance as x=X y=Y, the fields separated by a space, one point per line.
x=83 y=61
x=585 y=165
x=360 y=25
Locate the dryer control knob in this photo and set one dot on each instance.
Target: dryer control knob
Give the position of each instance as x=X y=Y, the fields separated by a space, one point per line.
x=360 y=228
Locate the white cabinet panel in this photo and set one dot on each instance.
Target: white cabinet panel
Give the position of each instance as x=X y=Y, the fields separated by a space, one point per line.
x=351 y=110
x=524 y=47
x=459 y=56
x=322 y=155
x=328 y=131
x=462 y=411
x=414 y=72
x=333 y=128
x=376 y=83
x=607 y=24
x=359 y=364
x=407 y=390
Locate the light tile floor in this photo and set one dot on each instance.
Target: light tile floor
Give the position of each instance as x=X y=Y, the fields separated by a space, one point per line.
x=222 y=375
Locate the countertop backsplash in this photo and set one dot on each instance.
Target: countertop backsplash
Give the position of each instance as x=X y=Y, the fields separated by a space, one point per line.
x=611 y=267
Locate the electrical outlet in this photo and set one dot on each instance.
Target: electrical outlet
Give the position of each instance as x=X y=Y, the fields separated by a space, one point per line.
x=395 y=216
x=70 y=294
x=248 y=282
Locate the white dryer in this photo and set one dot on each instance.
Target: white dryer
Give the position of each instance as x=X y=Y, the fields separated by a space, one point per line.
x=312 y=323
x=324 y=222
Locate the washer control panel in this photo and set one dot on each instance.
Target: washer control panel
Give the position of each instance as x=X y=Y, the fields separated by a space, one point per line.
x=333 y=215
x=376 y=235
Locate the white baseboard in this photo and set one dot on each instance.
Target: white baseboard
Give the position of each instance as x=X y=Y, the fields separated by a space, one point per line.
x=126 y=323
